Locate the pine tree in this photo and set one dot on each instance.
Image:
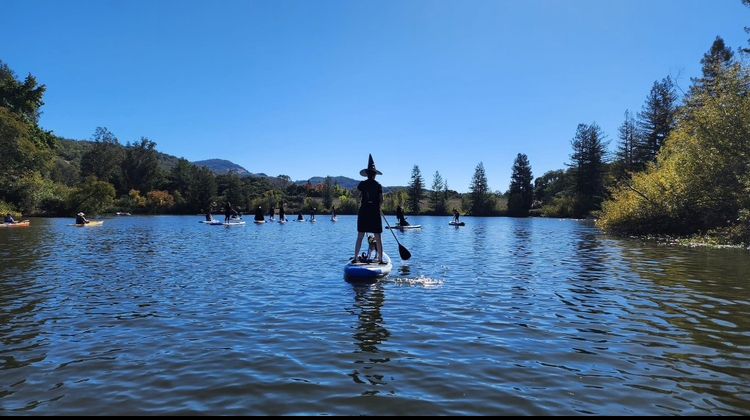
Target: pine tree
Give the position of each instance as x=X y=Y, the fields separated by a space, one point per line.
x=521 y=189
x=588 y=166
x=656 y=121
x=481 y=201
x=626 y=155
x=437 y=196
x=416 y=190
x=328 y=193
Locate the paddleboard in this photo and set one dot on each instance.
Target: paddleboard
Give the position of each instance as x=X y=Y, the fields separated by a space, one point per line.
x=210 y=222
x=258 y=222
x=230 y=224
x=367 y=272
x=21 y=224
x=457 y=224
x=92 y=223
x=404 y=227
x=334 y=219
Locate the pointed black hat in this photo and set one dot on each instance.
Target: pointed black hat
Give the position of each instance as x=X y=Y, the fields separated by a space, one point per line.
x=370 y=168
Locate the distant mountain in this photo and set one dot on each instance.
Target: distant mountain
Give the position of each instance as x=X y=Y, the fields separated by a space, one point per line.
x=223 y=167
x=342 y=181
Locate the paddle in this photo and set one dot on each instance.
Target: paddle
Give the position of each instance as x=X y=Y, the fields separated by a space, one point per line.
x=402 y=251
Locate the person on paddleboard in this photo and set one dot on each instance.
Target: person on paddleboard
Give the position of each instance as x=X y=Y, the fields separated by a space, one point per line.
x=228 y=212
x=400 y=216
x=333 y=212
x=312 y=214
x=282 y=215
x=271 y=211
x=259 y=214
x=300 y=217
x=368 y=217
x=455 y=215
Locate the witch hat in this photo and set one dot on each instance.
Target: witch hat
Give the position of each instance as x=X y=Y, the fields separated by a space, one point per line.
x=370 y=168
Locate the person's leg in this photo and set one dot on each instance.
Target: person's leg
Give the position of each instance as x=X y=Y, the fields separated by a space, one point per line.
x=379 y=245
x=358 y=245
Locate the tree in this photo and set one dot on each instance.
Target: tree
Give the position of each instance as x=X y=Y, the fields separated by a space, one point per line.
x=702 y=180
x=105 y=158
x=481 y=200
x=328 y=193
x=141 y=166
x=521 y=194
x=93 y=196
x=416 y=188
x=656 y=120
x=588 y=166
x=438 y=195
x=21 y=98
x=626 y=155
x=551 y=185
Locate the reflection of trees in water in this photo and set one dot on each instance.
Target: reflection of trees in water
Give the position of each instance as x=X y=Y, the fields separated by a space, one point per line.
x=21 y=297
x=521 y=249
x=703 y=291
x=370 y=333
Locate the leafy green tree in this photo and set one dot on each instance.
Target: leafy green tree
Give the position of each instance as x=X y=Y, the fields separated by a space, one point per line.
x=21 y=98
x=437 y=197
x=521 y=194
x=105 y=158
x=702 y=180
x=550 y=185
x=588 y=167
x=416 y=190
x=141 y=166
x=92 y=196
x=480 y=196
x=656 y=120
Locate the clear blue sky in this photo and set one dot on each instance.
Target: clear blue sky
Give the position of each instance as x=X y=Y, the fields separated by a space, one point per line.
x=308 y=88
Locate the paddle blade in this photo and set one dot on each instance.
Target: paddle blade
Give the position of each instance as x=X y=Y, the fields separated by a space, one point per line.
x=405 y=254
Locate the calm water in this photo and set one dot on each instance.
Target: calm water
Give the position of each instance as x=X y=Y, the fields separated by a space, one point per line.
x=163 y=315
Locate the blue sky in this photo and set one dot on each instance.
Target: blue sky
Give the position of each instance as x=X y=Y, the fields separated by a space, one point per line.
x=307 y=88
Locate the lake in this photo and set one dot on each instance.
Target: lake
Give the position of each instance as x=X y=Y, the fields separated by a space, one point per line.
x=163 y=315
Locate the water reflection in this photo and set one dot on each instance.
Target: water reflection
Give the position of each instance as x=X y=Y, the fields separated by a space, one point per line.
x=369 y=334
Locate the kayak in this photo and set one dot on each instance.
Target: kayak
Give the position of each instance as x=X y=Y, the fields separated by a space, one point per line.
x=92 y=223
x=230 y=224
x=404 y=227
x=258 y=222
x=21 y=224
x=457 y=223
x=367 y=272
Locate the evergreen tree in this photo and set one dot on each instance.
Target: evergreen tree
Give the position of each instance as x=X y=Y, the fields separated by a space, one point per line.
x=521 y=194
x=588 y=165
x=438 y=196
x=328 y=193
x=626 y=155
x=656 y=120
x=416 y=190
x=481 y=200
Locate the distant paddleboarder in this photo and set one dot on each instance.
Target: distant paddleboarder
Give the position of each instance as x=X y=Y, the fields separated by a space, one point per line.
x=368 y=217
